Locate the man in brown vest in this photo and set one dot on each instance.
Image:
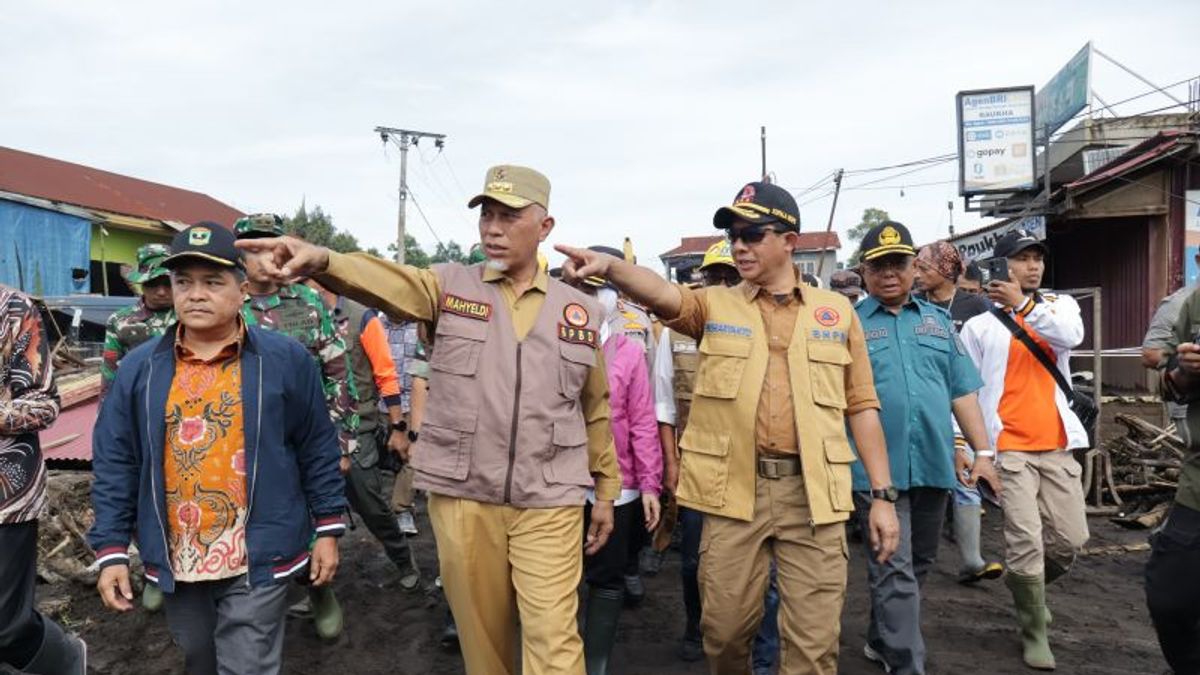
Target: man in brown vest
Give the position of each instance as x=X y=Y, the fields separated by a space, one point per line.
x=783 y=368
x=516 y=428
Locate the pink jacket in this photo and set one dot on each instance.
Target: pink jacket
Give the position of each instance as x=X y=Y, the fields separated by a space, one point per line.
x=634 y=425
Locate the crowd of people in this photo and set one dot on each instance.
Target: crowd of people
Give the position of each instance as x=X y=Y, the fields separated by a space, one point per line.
x=567 y=426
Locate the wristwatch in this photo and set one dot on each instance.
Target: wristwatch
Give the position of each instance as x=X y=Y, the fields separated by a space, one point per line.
x=400 y=426
x=887 y=494
x=412 y=435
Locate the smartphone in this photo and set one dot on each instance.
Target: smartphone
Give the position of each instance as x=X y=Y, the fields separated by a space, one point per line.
x=985 y=490
x=993 y=269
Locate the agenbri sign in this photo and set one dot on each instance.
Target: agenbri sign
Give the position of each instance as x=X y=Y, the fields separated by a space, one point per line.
x=978 y=245
x=995 y=141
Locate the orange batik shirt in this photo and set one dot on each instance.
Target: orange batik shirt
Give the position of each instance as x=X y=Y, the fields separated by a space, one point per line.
x=204 y=463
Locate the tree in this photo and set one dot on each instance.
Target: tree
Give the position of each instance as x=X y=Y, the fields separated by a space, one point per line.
x=870 y=218
x=413 y=253
x=450 y=252
x=317 y=227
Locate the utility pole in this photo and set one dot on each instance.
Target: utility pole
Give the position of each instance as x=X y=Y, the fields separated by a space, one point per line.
x=763 y=140
x=950 y=206
x=403 y=139
x=837 y=190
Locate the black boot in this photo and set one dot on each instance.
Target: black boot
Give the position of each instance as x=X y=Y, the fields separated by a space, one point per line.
x=60 y=654
x=600 y=629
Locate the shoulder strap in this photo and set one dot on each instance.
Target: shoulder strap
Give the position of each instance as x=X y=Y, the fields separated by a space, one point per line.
x=1038 y=353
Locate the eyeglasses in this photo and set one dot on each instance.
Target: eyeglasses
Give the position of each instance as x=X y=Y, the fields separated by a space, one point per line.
x=750 y=235
x=888 y=264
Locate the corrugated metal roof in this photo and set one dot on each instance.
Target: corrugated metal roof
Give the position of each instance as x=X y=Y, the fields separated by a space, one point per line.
x=76 y=425
x=53 y=179
x=1161 y=145
x=809 y=241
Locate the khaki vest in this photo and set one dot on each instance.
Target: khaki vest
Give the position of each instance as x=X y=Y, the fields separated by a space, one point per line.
x=718 y=468
x=684 y=359
x=360 y=365
x=503 y=423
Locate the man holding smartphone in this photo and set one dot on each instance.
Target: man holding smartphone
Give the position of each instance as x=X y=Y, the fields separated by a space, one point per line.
x=1031 y=424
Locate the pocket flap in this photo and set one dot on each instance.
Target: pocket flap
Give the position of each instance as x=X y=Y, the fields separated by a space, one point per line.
x=569 y=433
x=827 y=352
x=456 y=326
x=453 y=419
x=705 y=442
x=724 y=345
x=581 y=354
x=838 y=451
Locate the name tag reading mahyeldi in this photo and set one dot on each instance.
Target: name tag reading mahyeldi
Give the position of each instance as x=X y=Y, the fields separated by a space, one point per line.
x=576 y=335
x=472 y=309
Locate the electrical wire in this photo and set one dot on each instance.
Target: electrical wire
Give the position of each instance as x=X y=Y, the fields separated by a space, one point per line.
x=421 y=211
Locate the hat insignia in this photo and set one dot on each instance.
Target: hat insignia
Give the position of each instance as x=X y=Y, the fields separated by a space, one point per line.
x=746 y=196
x=889 y=236
x=199 y=236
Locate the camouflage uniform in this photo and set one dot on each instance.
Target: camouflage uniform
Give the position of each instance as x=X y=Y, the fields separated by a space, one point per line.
x=129 y=327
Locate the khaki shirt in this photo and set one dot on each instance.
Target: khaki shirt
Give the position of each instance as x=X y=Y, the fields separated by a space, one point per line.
x=775 y=428
x=407 y=292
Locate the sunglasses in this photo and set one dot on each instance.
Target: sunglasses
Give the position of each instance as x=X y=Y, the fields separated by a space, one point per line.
x=750 y=235
x=888 y=264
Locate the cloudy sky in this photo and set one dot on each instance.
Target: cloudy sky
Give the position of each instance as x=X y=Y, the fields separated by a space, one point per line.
x=645 y=115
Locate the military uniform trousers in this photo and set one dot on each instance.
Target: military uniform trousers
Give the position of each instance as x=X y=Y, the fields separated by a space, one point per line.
x=811 y=562
x=499 y=562
x=364 y=491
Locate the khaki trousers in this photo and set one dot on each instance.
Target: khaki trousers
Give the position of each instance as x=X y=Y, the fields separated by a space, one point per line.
x=811 y=562
x=402 y=490
x=1043 y=498
x=498 y=562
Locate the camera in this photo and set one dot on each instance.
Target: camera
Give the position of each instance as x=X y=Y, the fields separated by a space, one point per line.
x=993 y=269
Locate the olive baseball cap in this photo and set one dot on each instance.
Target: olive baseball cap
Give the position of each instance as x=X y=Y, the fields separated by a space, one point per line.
x=258 y=225
x=150 y=263
x=514 y=186
x=206 y=241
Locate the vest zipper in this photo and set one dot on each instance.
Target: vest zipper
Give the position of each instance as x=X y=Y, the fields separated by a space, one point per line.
x=512 y=436
x=162 y=525
x=254 y=472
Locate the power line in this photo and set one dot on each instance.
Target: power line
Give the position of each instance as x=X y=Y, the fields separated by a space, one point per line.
x=903 y=187
x=453 y=173
x=422 y=213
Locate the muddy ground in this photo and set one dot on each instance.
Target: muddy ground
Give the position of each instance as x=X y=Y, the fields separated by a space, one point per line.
x=1101 y=624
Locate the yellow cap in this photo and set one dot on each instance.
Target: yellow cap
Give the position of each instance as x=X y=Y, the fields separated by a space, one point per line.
x=718 y=254
x=514 y=186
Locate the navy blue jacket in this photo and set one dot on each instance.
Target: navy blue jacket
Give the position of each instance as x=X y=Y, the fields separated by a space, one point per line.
x=293 y=486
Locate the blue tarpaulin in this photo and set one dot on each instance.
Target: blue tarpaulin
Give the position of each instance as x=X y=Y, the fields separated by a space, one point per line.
x=39 y=249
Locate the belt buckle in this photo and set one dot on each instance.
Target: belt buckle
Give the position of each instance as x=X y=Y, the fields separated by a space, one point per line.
x=768 y=468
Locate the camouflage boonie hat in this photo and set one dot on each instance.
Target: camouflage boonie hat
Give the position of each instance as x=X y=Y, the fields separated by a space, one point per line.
x=258 y=225
x=150 y=263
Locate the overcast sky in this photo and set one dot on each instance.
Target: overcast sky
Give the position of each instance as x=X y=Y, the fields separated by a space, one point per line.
x=645 y=115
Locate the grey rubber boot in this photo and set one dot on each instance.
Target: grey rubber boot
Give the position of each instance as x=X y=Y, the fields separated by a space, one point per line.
x=600 y=630
x=1029 y=596
x=60 y=654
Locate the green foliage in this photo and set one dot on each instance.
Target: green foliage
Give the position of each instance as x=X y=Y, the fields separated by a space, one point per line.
x=450 y=252
x=870 y=218
x=317 y=227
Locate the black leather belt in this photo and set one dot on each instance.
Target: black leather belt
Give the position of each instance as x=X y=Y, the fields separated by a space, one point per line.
x=778 y=467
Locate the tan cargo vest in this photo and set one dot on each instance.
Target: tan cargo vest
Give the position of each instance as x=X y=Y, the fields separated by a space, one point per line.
x=718 y=468
x=503 y=423
x=685 y=359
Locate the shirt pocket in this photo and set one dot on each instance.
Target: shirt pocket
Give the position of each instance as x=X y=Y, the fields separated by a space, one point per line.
x=827 y=372
x=574 y=362
x=568 y=464
x=704 y=466
x=459 y=343
x=446 y=445
x=722 y=362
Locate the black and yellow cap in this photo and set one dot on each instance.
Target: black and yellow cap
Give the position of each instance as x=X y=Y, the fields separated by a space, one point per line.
x=887 y=238
x=758 y=204
x=205 y=241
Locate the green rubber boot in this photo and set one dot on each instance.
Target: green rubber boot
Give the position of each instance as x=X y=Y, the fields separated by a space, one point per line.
x=1029 y=596
x=327 y=613
x=600 y=627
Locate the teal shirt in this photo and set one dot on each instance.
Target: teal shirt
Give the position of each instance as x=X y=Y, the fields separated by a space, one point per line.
x=920 y=367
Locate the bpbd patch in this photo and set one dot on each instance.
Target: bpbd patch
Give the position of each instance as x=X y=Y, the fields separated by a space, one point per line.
x=827 y=316
x=575 y=315
x=577 y=335
x=472 y=309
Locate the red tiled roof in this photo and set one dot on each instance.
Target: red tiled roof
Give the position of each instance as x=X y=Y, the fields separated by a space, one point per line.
x=809 y=241
x=37 y=176
x=78 y=420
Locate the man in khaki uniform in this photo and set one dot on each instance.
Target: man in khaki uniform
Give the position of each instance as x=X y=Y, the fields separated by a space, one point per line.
x=783 y=366
x=516 y=428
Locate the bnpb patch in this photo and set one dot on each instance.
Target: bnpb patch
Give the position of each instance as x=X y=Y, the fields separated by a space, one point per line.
x=577 y=335
x=575 y=315
x=472 y=309
x=827 y=316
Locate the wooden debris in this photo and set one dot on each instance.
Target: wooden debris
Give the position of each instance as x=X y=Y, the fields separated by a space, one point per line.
x=1135 y=475
x=1116 y=549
